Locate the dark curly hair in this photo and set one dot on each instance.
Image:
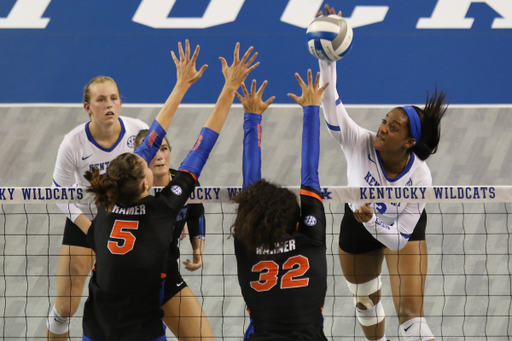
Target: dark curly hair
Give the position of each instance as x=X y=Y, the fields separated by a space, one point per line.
x=121 y=183
x=266 y=215
x=430 y=117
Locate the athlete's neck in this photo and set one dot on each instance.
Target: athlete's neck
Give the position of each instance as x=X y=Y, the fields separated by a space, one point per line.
x=394 y=163
x=163 y=180
x=105 y=136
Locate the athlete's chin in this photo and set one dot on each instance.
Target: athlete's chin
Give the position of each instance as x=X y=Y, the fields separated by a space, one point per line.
x=378 y=144
x=160 y=171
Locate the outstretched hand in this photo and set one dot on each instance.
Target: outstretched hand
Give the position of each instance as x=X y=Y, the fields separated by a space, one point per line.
x=311 y=93
x=240 y=69
x=328 y=10
x=364 y=213
x=252 y=101
x=186 y=66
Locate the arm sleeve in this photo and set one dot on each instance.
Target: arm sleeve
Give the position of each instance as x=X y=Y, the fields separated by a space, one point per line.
x=340 y=126
x=151 y=143
x=196 y=222
x=313 y=222
x=310 y=147
x=395 y=236
x=251 y=163
x=63 y=176
x=196 y=158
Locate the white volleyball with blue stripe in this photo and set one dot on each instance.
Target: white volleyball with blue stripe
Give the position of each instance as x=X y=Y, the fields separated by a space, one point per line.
x=329 y=37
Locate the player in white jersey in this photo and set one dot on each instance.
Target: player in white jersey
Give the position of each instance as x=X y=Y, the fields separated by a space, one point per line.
x=392 y=156
x=92 y=144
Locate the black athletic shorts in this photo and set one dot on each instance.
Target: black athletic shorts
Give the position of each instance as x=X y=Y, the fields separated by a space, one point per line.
x=310 y=332
x=355 y=238
x=174 y=283
x=73 y=236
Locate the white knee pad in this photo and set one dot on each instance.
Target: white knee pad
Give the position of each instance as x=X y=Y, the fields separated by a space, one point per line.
x=416 y=329
x=371 y=316
x=362 y=291
x=56 y=323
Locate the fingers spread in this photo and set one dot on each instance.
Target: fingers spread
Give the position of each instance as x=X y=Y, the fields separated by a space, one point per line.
x=301 y=82
x=262 y=87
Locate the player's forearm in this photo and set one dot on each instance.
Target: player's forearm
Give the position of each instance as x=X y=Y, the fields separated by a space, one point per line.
x=196 y=158
x=71 y=211
x=311 y=147
x=388 y=235
x=251 y=161
x=197 y=246
x=217 y=118
x=330 y=95
x=170 y=106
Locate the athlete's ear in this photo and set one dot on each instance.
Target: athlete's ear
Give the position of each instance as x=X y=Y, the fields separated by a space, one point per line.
x=145 y=186
x=87 y=107
x=409 y=142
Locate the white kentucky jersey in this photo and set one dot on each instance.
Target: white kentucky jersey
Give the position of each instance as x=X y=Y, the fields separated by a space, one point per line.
x=364 y=167
x=79 y=152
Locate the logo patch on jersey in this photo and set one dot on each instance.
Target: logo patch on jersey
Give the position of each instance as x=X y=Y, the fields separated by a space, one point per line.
x=130 y=141
x=176 y=190
x=310 y=220
x=86 y=157
x=409 y=183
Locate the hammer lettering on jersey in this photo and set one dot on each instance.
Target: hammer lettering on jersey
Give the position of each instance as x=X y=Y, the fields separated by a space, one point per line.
x=286 y=246
x=134 y=210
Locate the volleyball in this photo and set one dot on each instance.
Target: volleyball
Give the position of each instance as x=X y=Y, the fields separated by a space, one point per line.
x=329 y=37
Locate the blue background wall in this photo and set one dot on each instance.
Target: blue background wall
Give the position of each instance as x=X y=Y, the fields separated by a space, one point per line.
x=391 y=61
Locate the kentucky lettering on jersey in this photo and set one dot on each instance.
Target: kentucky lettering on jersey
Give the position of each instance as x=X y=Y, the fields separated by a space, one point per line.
x=101 y=166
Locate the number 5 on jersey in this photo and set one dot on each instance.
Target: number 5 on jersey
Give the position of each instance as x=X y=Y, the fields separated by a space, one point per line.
x=127 y=239
x=297 y=266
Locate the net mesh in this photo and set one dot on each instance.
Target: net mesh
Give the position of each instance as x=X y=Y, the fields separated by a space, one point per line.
x=468 y=288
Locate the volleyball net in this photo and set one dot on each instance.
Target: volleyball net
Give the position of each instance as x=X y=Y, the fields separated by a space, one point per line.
x=468 y=294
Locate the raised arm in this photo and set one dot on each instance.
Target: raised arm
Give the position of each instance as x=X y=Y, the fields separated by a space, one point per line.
x=313 y=215
x=187 y=75
x=310 y=100
x=234 y=76
x=253 y=108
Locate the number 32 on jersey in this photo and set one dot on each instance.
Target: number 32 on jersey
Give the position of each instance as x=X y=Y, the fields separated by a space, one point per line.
x=294 y=267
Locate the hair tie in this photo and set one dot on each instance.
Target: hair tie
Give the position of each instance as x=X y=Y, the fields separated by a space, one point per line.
x=414 y=119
